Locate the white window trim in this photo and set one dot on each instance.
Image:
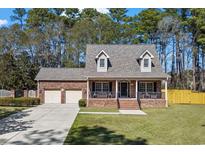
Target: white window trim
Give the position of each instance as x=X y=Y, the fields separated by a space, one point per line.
x=146 y=86
x=103 y=61
x=144 y=62
x=102 y=69
x=101 y=86
x=149 y=68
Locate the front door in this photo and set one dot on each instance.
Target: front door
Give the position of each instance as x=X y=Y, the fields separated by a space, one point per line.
x=124 y=89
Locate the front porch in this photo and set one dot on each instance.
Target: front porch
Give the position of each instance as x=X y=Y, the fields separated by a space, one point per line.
x=126 y=94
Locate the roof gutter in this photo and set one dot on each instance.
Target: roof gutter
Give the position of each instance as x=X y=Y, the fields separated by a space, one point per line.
x=127 y=77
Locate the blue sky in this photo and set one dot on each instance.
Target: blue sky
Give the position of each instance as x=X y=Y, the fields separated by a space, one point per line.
x=6 y=13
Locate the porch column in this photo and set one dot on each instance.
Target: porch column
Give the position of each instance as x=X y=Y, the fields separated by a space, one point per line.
x=166 y=93
x=136 y=89
x=87 y=92
x=116 y=89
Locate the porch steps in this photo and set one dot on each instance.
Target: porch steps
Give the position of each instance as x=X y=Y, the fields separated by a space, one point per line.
x=126 y=104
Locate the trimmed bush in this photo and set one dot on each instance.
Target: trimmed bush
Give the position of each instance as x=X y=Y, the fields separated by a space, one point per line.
x=82 y=103
x=21 y=101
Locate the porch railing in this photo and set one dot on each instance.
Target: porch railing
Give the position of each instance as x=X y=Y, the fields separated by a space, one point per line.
x=102 y=94
x=141 y=95
x=151 y=95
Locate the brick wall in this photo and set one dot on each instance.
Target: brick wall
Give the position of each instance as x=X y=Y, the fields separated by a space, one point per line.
x=128 y=104
x=81 y=85
x=152 y=103
x=63 y=86
x=112 y=103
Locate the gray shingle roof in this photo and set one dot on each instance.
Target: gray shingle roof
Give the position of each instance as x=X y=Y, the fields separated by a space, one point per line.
x=123 y=59
x=58 y=74
x=123 y=63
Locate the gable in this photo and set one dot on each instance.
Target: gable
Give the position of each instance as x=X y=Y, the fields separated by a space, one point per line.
x=101 y=53
x=145 y=53
x=102 y=61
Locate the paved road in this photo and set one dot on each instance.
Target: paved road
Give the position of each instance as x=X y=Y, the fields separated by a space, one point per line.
x=41 y=125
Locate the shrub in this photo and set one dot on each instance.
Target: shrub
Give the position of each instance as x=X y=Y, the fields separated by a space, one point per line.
x=21 y=101
x=82 y=103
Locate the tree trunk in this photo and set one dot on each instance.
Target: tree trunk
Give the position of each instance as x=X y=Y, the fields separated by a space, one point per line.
x=173 y=63
x=177 y=54
x=202 y=71
x=164 y=56
x=194 y=57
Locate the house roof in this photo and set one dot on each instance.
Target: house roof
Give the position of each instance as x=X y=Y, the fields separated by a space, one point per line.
x=59 y=74
x=123 y=63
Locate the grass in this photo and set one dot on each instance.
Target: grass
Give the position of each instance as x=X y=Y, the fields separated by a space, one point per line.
x=178 y=124
x=6 y=111
x=92 y=109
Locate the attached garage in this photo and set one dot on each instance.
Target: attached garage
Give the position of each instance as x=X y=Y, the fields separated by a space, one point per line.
x=73 y=96
x=52 y=96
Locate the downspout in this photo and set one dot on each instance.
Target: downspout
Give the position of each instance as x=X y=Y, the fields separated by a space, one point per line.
x=38 y=90
x=87 y=92
x=166 y=96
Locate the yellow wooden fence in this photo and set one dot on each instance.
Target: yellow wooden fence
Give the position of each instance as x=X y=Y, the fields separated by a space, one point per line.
x=186 y=96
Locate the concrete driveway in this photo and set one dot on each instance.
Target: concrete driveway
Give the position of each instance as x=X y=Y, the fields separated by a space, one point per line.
x=41 y=125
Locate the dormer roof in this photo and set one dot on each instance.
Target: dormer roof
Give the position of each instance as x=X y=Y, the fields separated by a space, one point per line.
x=102 y=52
x=146 y=52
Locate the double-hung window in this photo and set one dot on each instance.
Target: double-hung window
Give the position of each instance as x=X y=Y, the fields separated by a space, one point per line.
x=150 y=87
x=98 y=87
x=146 y=62
x=142 y=87
x=146 y=87
x=102 y=62
x=102 y=86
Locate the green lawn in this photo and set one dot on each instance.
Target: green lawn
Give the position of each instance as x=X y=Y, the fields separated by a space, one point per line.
x=6 y=111
x=92 y=109
x=178 y=124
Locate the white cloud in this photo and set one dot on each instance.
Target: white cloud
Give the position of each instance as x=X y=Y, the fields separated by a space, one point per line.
x=3 y=22
x=101 y=10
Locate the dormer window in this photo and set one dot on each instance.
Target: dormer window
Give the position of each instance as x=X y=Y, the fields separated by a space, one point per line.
x=102 y=61
x=146 y=61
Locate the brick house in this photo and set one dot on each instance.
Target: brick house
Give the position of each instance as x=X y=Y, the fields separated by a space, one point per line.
x=117 y=76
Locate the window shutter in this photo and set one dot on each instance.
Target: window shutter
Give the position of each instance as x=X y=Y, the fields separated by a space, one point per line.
x=110 y=86
x=93 y=86
x=155 y=86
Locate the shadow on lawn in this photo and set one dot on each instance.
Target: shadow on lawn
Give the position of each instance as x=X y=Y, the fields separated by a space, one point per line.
x=99 y=135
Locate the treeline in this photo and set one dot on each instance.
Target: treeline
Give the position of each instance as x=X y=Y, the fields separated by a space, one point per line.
x=58 y=38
